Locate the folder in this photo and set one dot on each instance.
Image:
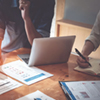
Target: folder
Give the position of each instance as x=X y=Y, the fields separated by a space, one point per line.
x=81 y=90
x=66 y=90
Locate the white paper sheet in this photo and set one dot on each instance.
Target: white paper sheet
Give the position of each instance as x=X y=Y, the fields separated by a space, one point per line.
x=7 y=84
x=20 y=71
x=36 y=95
x=84 y=90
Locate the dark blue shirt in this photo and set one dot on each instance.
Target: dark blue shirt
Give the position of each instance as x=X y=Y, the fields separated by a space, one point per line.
x=41 y=13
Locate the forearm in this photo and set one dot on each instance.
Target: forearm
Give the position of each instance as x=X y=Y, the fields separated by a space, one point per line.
x=87 y=48
x=29 y=27
x=2 y=31
x=30 y=30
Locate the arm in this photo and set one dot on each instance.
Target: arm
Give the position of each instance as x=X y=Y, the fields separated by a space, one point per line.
x=2 y=23
x=43 y=20
x=2 y=27
x=29 y=27
x=30 y=30
x=2 y=31
x=87 y=48
x=92 y=42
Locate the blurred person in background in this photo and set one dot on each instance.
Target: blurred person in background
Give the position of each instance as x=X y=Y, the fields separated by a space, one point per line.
x=23 y=20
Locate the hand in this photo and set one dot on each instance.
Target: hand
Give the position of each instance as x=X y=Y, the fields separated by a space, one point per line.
x=24 y=7
x=81 y=62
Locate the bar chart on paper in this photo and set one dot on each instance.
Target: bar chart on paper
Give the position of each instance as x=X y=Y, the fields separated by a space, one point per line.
x=20 y=71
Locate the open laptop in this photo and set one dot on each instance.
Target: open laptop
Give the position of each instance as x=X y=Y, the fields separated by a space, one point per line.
x=49 y=51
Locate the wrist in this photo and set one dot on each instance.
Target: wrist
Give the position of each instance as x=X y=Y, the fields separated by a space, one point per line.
x=26 y=19
x=84 y=53
x=25 y=16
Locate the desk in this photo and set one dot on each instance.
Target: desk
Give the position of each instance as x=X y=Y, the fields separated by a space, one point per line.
x=49 y=86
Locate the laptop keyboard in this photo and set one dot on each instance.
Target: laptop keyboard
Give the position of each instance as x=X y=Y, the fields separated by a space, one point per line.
x=25 y=60
x=24 y=57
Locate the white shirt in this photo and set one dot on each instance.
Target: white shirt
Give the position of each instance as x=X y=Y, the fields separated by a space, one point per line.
x=95 y=33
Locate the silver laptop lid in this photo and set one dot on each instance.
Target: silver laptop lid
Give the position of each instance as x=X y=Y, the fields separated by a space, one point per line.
x=51 y=50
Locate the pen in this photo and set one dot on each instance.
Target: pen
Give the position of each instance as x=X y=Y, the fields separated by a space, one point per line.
x=82 y=56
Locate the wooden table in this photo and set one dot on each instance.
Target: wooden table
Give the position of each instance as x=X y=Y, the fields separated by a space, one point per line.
x=49 y=86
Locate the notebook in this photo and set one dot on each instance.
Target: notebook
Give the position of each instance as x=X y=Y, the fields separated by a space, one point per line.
x=93 y=70
x=49 y=50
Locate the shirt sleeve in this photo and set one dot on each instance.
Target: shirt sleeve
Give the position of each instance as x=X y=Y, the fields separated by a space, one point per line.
x=46 y=18
x=95 y=33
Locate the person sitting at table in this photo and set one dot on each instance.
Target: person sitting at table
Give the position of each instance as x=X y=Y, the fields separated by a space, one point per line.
x=23 y=20
x=91 y=43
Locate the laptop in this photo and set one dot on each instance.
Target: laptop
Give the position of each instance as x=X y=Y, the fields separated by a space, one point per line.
x=50 y=50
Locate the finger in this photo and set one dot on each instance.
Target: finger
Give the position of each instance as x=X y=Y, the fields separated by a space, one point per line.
x=21 y=7
x=81 y=64
x=23 y=1
x=87 y=58
x=81 y=59
x=23 y=4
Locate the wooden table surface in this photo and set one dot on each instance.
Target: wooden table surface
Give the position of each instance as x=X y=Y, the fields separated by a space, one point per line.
x=49 y=86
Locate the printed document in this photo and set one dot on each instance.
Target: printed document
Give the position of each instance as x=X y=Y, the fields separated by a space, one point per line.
x=36 y=96
x=7 y=84
x=20 y=71
x=82 y=90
